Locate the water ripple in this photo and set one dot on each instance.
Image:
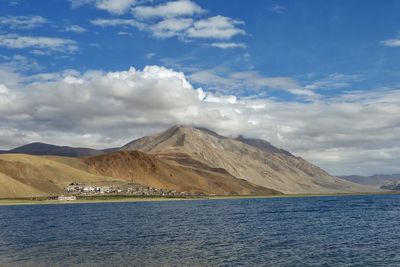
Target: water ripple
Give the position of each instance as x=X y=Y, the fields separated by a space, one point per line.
x=317 y=231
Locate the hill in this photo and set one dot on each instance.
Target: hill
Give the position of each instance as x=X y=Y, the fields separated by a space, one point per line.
x=253 y=160
x=149 y=170
x=48 y=149
x=377 y=180
x=395 y=185
x=24 y=175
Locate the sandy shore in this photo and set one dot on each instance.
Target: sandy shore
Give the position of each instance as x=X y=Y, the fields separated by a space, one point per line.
x=11 y=202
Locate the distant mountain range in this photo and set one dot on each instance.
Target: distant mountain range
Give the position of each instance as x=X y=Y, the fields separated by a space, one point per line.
x=377 y=180
x=181 y=158
x=47 y=149
x=394 y=185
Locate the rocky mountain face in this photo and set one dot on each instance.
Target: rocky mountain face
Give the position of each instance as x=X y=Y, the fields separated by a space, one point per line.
x=253 y=160
x=377 y=180
x=395 y=185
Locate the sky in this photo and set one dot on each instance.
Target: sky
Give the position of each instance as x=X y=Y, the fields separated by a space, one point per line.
x=318 y=78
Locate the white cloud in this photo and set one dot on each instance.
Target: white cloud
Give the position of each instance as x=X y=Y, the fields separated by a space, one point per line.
x=168 y=10
x=170 y=27
x=19 y=62
x=117 y=7
x=180 y=19
x=38 y=44
x=230 y=45
x=75 y=28
x=353 y=133
x=22 y=22
x=118 y=22
x=391 y=42
x=335 y=81
x=227 y=81
x=217 y=27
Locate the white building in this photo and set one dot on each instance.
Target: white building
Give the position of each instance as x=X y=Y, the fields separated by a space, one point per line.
x=66 y=198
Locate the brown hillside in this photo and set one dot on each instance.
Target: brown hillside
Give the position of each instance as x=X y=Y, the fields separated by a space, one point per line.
x=39 y=175
x=149 y=170
x=11 y=188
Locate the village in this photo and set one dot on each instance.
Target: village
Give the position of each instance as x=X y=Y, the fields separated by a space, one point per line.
x=75 y=189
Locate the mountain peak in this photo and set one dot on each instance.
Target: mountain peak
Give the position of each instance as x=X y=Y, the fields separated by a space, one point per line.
x=187 y=129
x=254 y=160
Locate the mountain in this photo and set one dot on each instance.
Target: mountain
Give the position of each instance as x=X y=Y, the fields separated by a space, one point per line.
x=377 y=180
x=395 y=185
x=253 y=160
x=181 y=158
x=24 y=175
x=47 y=149
x=263 y=145
x=152 y=171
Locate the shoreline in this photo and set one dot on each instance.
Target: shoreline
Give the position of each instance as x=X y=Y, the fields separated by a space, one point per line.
x=122 y=199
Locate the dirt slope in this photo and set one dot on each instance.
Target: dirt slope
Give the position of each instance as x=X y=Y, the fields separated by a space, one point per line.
x=11 y=188
x=39 y=175
x=26 y=175
x=149 y=170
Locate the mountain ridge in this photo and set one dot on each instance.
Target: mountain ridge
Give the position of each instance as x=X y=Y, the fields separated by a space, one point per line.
x=184 y=158
x=376 y=180
x=39 y=148
x=258 y=162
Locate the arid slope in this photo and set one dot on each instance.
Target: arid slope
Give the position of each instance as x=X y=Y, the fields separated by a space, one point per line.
x=26 y=175
x=149 y=170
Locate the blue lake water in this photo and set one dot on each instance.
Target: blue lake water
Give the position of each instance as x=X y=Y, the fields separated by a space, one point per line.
x=306 y=231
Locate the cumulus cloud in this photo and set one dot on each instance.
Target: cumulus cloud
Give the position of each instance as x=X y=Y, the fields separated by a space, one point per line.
x=182 y=19
x=38 y=44
x=22 y=22
x=217 y=27
x=170 y=27
x=352 y=133
x=112 y=6
x=168 y=10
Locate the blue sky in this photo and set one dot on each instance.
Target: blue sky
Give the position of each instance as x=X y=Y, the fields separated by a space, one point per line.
x=319 y=78
x=285 y=38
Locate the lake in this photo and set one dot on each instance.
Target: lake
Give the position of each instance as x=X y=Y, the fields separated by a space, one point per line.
x=297 y=231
